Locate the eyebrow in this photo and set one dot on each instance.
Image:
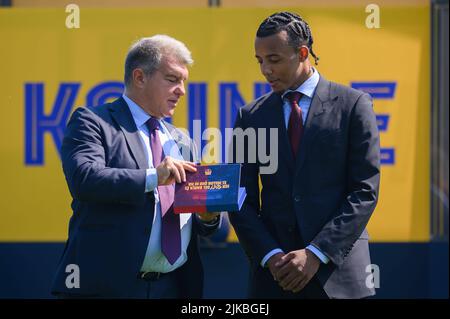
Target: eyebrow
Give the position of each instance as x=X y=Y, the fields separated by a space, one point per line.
x=175 y=74
x=269 y=55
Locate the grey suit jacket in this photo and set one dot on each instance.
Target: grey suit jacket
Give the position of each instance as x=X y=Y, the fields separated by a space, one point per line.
x=325 y=197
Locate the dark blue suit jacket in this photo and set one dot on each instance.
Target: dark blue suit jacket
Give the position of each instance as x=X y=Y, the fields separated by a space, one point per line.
x=105 y=167
x=324 y=198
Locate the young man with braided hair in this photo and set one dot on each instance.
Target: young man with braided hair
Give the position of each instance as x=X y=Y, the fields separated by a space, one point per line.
x=307 y=238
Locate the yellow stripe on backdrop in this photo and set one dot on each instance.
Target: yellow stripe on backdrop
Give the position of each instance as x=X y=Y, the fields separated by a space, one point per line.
x=36 y=47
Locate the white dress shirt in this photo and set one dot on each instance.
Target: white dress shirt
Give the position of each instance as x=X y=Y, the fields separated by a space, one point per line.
x=155 y=260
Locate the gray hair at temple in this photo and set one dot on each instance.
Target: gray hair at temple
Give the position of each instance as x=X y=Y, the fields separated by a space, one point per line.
x=147 y=54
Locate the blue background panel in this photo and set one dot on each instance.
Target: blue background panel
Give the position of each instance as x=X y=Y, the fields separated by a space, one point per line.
x=407 y=270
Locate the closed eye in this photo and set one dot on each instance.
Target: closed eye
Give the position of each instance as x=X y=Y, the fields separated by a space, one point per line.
x=271 y=61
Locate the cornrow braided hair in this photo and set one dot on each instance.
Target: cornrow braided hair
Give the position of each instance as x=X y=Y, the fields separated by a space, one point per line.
x=298 y=30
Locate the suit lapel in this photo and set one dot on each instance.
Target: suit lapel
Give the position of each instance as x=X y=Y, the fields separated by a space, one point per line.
x=121 y=113
x=319 y=102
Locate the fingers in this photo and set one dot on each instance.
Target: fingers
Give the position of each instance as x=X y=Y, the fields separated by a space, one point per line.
x=180 y=170
x=291 y=280
x=293 y=284
x=291 y=275
x=301 y=284
x=273 y=271
x=271 y=265
x=176 y=173
x=294 y=280
x=284 y=260
x=191 y=167
x=175 y=170
x=293 y=271
x=182 y=167
x=284 y=266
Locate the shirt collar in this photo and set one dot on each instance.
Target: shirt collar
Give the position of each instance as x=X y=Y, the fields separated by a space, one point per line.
x=309 y=86
x=140 y=117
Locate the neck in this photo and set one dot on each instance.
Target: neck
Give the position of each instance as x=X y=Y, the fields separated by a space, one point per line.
x=140 y=102
x=303 y=77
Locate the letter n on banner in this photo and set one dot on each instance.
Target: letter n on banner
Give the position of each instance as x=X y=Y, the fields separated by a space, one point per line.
x=230 y=101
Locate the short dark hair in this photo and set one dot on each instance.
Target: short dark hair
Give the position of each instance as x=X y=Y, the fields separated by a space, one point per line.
x=298 y=30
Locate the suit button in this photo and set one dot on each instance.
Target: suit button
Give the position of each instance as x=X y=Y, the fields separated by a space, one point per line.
x=297 y=198
x=290 y=229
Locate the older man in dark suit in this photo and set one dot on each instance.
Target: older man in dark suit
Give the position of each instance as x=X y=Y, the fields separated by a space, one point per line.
x=308 y=237
x=121 y=161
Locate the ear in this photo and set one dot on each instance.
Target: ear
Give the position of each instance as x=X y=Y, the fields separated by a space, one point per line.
x=304 y=53
x=138 y=77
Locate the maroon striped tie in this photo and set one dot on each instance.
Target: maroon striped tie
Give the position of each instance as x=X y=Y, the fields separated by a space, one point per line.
x=295 y=126
x=170 y=222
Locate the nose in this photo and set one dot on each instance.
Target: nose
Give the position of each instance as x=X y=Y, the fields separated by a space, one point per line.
x=266 y=70
x=180 y=89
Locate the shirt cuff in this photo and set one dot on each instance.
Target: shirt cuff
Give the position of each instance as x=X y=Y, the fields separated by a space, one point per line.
x=324 y=259
x=270 y=254
x=151 y=180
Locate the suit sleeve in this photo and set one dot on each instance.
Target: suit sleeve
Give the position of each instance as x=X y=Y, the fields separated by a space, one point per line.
x=250 y=230
x=337 y=237
x=84 y=165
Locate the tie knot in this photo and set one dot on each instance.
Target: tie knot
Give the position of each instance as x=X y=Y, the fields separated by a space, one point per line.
x=293 y=97
x=152 y=124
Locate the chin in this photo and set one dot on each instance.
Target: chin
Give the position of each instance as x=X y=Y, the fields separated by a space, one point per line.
x=278 y=90
x=168 y=114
